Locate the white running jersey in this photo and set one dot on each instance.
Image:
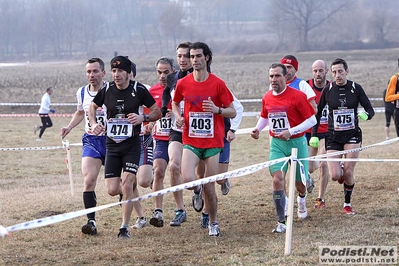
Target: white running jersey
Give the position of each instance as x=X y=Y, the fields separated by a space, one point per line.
x=84 y=97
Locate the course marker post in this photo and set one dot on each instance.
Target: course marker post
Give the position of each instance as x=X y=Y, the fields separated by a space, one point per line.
x=69 y=164
x=291 y=200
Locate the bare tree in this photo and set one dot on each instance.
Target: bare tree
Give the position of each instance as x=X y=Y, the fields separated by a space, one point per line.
x=381 y=22
x=170 y=20
x=305 y=15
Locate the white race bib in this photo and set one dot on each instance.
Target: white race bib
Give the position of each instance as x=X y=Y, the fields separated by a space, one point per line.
x=324 y=115
x=344 y=119
x=163 y=126
x=119 y=129
x=278 y=122
x=100 y=119
x=201 y=125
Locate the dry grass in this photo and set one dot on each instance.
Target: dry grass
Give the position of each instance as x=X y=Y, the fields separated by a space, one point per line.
x=37 y=185
x=34 y=184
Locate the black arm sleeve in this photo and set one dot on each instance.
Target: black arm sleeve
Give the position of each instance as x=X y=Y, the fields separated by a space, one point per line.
x=365 y=102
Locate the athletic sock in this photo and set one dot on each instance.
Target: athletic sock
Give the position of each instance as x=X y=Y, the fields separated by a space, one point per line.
x=279 y=203
x=125 y=226
x=90 y=201
x=348 y=192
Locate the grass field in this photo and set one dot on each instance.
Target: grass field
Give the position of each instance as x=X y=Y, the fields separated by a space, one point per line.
x=35 y=183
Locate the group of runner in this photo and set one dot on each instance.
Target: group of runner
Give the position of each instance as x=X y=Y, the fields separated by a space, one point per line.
x=193 y=116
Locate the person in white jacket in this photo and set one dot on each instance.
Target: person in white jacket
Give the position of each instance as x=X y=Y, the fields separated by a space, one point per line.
x=44 y=113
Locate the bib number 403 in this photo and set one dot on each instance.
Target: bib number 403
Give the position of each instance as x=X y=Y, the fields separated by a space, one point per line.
x=201 y=124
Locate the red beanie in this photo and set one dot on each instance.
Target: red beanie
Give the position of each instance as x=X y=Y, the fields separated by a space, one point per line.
x=291 y=61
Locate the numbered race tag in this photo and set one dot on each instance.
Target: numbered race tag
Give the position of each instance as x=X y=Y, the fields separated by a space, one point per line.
x=278 y=122
x=344 y=119
x=324 y=116
x=163 y=126
x=119 y=129
x=100 y=118
x=200 y=125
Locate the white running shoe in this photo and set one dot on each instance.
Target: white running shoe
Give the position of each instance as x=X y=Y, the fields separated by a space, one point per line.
x=280 y=228
x=140 y=223
x=214 y=229
x=302 y=211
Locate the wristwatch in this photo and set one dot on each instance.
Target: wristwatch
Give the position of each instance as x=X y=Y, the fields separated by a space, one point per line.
x=232 y=130
x=146 y=118
x=220 y=110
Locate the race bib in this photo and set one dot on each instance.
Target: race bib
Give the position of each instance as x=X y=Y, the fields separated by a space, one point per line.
x=100 y=119
x=119 y=129
x=344 y=119
x=278 y=122
x=163 y=126
x=324 y=115
x=200 y=125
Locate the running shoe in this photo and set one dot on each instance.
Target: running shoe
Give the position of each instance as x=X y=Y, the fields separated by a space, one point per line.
x=198 y=201
x=180 y=217
x=225 y=187
x=204 y=220
x=214 y=229
x=309 y=184
x=90 y=228
x=281 y=227
x=157 y=219
x=140 y=223
x=123 y=233
x=348 y=210
x=319 y=204
x=302 y=211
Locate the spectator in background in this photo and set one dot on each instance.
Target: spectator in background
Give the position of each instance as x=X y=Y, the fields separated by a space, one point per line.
x=44 y=113
x=389 y=113
x=392 y=96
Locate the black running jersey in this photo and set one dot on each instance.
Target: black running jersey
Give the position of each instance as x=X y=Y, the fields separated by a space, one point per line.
x=343 y=102
x=124 y=101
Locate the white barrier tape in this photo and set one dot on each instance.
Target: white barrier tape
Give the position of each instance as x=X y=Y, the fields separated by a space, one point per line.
x=74 y=104
x=66 y=216
x=34 y=115
x=32 y=148
x=249 y=130
x=352 y=150
x=64 y=146
x=260 y=100
x=352 y=160
x=36 y=104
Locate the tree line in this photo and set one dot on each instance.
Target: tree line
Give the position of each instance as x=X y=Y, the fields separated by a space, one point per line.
x=63 y=29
